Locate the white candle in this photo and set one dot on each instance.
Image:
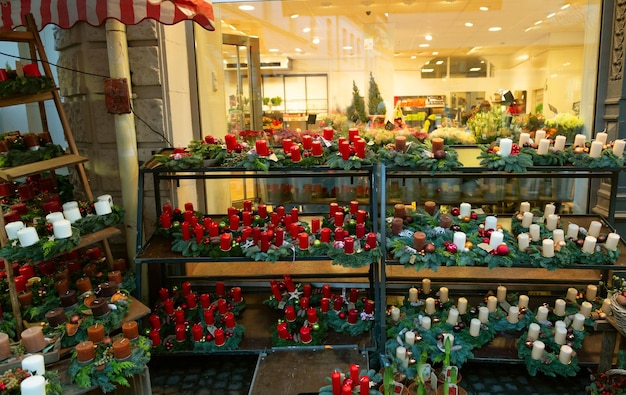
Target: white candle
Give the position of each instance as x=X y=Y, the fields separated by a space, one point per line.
x=559 y=307
x=459 y=240
x=549 y=210
x=540 y=135
x=559 y=335
x=426 y=286
x=401 y=354
x=495 y=239
x=579 y=322
x=572 y=231
x=580 y=140
x=483 y=314
x=527 y=219
x=537 y=351
x=592 y=292
x=27 y=236
x=491 y=222
x=443 y=295
x=523 y=139
x=474 y=327
x=62 y=229
x=596 y=149
x=612 y=241
x=585 y=309
x=461 y=305
x=606 y=306
x=618 y=147
x=453 y=317
x=565 y=354
x=426 y=323
x=513 y=316
x=523 y=241
x=559 y=143
x=601 y=137
x=524 y=207
x=589 y=246
x=395 y=313
x=53 y=217
x=544 y=144
x=522 y=302
x=105 y=198
x=465 y=210
x=533 y=331
x=552 y=221
x=505 y=147
x=33 y=385
x=492 y=303
x=594 y=228
x=412 y=294
x=572 y=294
x=547 y=249
x=102 y=207
x=430 y=306
x=534 y=231
x=35 y=364
x=560 y=324
x=542 y=313
x=501 y=293
x=558 y=235
x=70 y=205
x=72 y=214
x=12 y=228
x=409 y=338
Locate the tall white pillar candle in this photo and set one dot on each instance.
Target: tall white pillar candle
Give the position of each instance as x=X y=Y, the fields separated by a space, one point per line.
x=491 y=222
x=105 y=198
x=443 y=295
x=453 y=316
x=72 y=214
x=527 y=219
x=401 y=354
x=559 y=307
x=542 y=313
x=492 y=303
x=12 y=228
x=523 y=139
x=474 y=327
x=33 y=385
x=459 y=239
x=585 y=309
x=395 y=313
x=53 y=217
x=28 y=236
x=483 y=314
x=565 y=354
x=495 y=239
x=409 y=338
x=558 y=235
x=522 y=302
x=540 y=135
x=535 y=232
x=544 y=144
x=102 y=207
x=560 y=324
x=426 y=323
x=589 y=246
x=559 y=143
x=426 y=286
x=552 y=221
x=412 y=294
x=578 y=323
x=461 y=305
x=524 y=207
x=618 y=147
x=62 y=229
x=465 y=210
x=70 y=205
x=35 y=364
x=560 y=334
x=594 y=228
x=505 y=147
x=612 y=241
x=513 y=316
x=501 y=293
x=580 y=140
x=606 y=306
x=533 y=331
x=572 y=231
x=547 y=249
x=537 y=351
x=591 y=293
x=430 y=306
x=601 y=137
x=572 y=294
x=523 y=241
x=549 y=210
x=596 y=149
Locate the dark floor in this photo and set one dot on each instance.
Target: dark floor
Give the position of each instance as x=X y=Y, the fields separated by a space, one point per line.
x=234 y=374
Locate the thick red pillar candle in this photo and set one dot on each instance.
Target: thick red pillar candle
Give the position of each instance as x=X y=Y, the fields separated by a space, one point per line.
x=232 y=211
x=344 y=150
x=237 y=294
x=287 y=143
x=209 y=317
x=247 y=205
x=354 y=373
x=246 y=217
x=371 y=239
x=261 y=148
x=275 y=219
x=166 y=221
x=353 y=133
x=338 y=303
x=360 y=231
x=185 y=288
x=335 y=379
x=339 y=234
x=225 y=241
x=220 y=288
x=28 y=271
x=229 y=318
x=354 y=207
x=181 y=335
x=295 y=153
x=279 y=236
x=219 y=337
x=304 y=302
x=311 y=314
x=316 y=148
x=341 y=140
x=192 y=302
x=354 y=295
x=290 y=313
x=205 y=301
x=155 y=321
x=288 y=283
x=206 y=222
x=352 y=316
x=234 y=222
x=294 y=229
x=155 y=337
x=262 y=211
x=287 y=221
x=315 y=225
x=369 y=306
x=179 y=316
x=281 y=328
x=303 y=241
x=167 y=208
x=333 y=207
x=231 y=141
x=328 y=134
x=305 y=334
x=338 y=218
x=325 y=305
x=364 y=385
x=265 y=241
x=325 y=235
x=276 y=290
x=168 y=306
x=306 y=290
x=326 y=292
x=307 y=142
x=20 y=283
x=348 y=245
x=214 y=229
x=222 y=306
x=256 y=235
x=31 y=70
x=186 y=230
x=199 y=231
x=188 y=214
x=246 y=233
x=359 y=148
x=196 y=332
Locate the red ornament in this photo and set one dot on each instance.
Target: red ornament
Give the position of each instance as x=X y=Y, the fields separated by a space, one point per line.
x=455 y=211
x=342 y=315
x=451 y=248
x=502 y=249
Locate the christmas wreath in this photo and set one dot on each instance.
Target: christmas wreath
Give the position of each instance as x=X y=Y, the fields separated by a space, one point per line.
x=24 y=84
x=19 y=157
x=516 y=162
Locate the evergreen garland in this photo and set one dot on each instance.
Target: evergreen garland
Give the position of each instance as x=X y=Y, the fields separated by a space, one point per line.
x=24 y=85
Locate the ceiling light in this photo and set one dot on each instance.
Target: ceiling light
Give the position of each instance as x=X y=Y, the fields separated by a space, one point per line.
x=474 y=69
x=298 y=50
x=439 y=62
x=326 y=4
x=413 y=57
x=528 y=29
x=484 y=8
x=306 y=30
x=538 y=23
x=551 y=15
x=566 y=64
x=424 y=45
x=469 y=24
x=435 y=53
x=273 y=49
x=347 y=47
x=427 y=70
x=428 y=37
x=294 y=16
x=522 y=57
x=427 y=62
x=564 y=6
x=246 y=7
x=316 y=40
x=495 y=29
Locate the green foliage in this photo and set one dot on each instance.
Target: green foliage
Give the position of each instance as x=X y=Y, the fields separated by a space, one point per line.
x=24 y=85
x=357 y=108
x=375 y=104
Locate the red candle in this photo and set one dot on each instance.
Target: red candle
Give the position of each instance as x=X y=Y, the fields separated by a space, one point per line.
x=287 y=145
x=305 y=334
x=348 y=245
x=237 y=294
x=196 y=332
x=371 y=239
x=234 y=222
x=214 y=229
x=209 y=317
x=288 y=283
x=231 y=141
x=306 y=290
x=326 y=293
x=276 y=290
x=359 y=147
x=206 y=222
x=3 y=75
x=354 y=295
x=335 y=378
x=246 y=218
x=364 y=385
x=222 y=306
x=265 y=241
x=369 y=306
x=199 y=231
x=205 y=301
x=192 y=302
x=262 y=211
x=338 y=303
x=155 y=337
x=281 y=328
x=279 y=236
x=352 y=316
x=168 y=306
x=184 y=227
x=316 y=148
x=179 y=316
x=328 y=133
x=225 y=241
x=354 y=373
x=344 y=150
x=338 y=218
x=220 y=288
x=188 y=214
x=295 y=153
x=181 y=335
x=353 y=134
x=360 y=231
x=229 y=318
x=325 y=305
x=167 y=209
x=256 y=235
x=315 y=225
x=166 y=221
x=155 y=321
x=287 y=221
x=290 y=314
x=307 y=141
x=31 y=70
x=339 y=234
x=311 y=314
x=20 y=284
x=219 y=337
x=261 y=148
x=246 y=233
x=27 y=271
x=185 y=288
x=325 y=235
x=275 y=219
x=304 y=302
x=294 y=229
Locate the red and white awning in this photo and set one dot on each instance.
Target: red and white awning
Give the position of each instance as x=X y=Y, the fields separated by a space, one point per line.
x=65 y=13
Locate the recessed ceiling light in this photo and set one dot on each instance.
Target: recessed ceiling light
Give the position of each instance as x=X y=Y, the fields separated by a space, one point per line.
x=538 y=23
x=273 y=50
x=427 y=70
x=469 y=24
x=428 y=37
x=439 y=62
x=427 y=62
x=316 y=40
x=435 y=53
x=306 y=30
x=413 y=57
x=294 y=16
x=424 y=45
x=551 y=15
x=347 y=47
x=474 y=69
x=495 y=29
x=522 y=57
x=298 y=50
x=564 y=6
x=246 y=7
x=484 y=8
x=528 y=29
x=566 y=64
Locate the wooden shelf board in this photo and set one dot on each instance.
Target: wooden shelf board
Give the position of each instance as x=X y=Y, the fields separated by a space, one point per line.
x=11 y=173
x=25 y=99
x=100 y=235
x=16 y=36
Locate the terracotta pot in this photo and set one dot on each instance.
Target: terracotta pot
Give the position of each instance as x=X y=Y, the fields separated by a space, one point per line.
x=405 y=391
x=412 y=389
x=462 y=391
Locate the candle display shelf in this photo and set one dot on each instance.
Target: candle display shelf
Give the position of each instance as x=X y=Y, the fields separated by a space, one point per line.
x=19 y=155
x=11 y=379
x=421 y=156
x=51 y=353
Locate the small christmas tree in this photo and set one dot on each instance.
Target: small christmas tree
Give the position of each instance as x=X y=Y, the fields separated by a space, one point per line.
x=356 y=111
x=375 y=104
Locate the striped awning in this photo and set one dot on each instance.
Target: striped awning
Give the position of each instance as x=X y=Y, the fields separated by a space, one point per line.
x=65 y=13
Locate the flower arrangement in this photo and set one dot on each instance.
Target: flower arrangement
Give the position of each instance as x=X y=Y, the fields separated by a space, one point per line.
x=488 y=126
x=565 y=124
x=11 y=379
x=612 y=381
x=454 y=136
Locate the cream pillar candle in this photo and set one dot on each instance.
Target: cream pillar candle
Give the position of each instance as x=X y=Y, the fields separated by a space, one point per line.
x=453 y=317
x=592 y=292
x=102 y=207
x=560 y=334
x=552 y=221
x=533 y=331
x=412 y=294
x=465 y=210
x=527 y=219
x=430 y=305
x=33 y=339
x=33 y=385
x=35 y=364
x=409 y=338
x=491 y=222
x=523 y=139
x=585 y=309
x=495 y=239
x=542 y=313
x=474 y=327
x=53 y=217
x=72 y=214
x=523 y=302
x=594 y=228
x=459 y=239
x=461 y=305
x=535 y=232
x=501 y=293
x=492 y=303
x=544 y=144
x=105 y=198
x=580 y=140
x=443 y=295
x=523 y=241
x=572 y=294
x=565 y=354
x=27 y=236
x=5 y=346
x=589 y=246
x=401 y=354
x=618 y=147
x=540 y=135
x=483 y=314
x=426 y=286
x=572 y=231
x=524 y=207
x=606 y=306
x=601 y=137
x=579 y=322
x=70 y=205
x=505 y=147
x=559 y=143
x=537 y=351
x=395 y=313
x=426 y=323
x=62 y=229
x=560 y=324
x=596 y=149
x=558 y=236
x=549 y=210
x=612 y=241
x=559 y=307
x=12 y=228
x=513 y=316
x=547 y=249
